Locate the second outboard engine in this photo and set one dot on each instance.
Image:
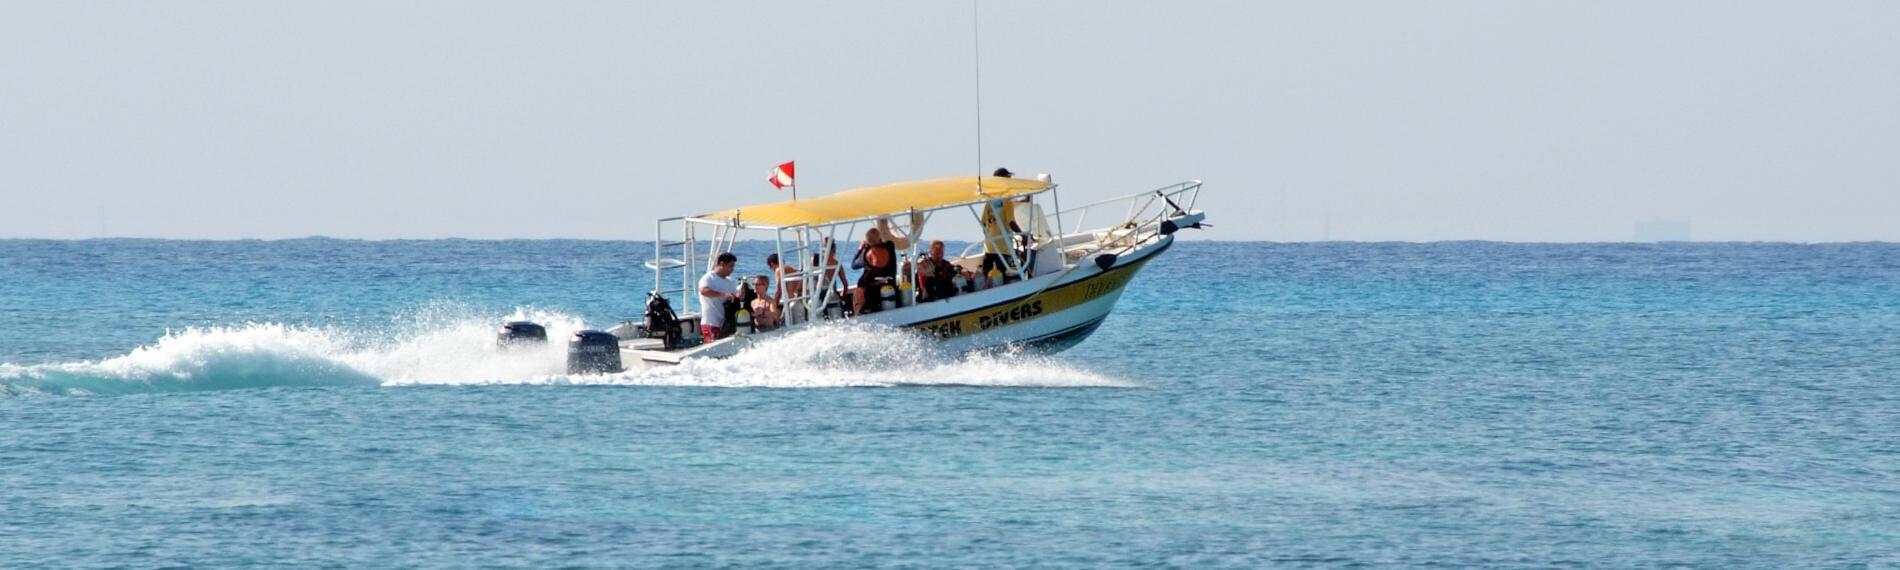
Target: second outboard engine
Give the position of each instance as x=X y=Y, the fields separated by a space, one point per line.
x=593 y=352
x=662 y=322
x=517 y=333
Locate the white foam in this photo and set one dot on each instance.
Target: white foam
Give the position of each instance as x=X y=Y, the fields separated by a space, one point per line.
x=250 y=355
x=447 y=345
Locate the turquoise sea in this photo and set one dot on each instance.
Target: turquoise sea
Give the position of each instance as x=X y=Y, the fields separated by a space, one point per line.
x=338 y=403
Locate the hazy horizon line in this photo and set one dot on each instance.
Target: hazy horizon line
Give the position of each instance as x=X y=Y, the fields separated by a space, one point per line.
x=1184 y=239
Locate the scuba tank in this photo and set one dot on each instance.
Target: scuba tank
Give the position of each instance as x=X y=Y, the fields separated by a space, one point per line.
x=795 y=312
x=995 y=278
x=906 y=292
x=889 y=294
x=742 y=316
x=962 y=285
x=661 y=321
x=834 y=308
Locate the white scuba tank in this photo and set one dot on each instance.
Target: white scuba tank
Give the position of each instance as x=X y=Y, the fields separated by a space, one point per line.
x=834 y=309
x=959 y=282
x=795 y=312
x=906 y=294
x=742 y=321
x=889 y=294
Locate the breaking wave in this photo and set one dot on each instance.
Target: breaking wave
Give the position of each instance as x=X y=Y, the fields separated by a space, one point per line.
x=435 y=348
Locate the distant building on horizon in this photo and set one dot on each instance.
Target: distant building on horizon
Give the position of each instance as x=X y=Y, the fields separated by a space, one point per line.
x=1662 y=230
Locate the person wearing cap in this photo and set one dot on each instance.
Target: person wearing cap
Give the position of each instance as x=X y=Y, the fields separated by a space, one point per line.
x=997 y=230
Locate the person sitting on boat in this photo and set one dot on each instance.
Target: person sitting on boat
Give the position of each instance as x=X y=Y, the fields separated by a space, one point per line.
x=716 y=289
x=936 y=276
x=765 y=308
x=877 y=258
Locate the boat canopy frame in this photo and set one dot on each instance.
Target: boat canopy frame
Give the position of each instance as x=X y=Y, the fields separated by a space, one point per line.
x=806 y=239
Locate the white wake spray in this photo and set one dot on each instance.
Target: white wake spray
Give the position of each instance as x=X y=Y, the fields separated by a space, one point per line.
x=451 y=346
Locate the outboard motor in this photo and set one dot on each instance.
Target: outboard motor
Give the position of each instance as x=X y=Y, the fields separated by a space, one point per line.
x=662 y=322
x=518 y=333
x=593 y=352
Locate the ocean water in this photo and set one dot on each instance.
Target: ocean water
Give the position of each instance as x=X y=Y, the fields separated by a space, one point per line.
x=319 y=402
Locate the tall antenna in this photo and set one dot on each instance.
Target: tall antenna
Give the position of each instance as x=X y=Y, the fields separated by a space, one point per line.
x=976 y=50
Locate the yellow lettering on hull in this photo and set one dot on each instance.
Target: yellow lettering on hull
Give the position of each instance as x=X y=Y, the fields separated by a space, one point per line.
x=1048 y=301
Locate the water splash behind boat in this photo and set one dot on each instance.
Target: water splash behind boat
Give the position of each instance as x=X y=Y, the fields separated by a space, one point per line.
x=446 y=346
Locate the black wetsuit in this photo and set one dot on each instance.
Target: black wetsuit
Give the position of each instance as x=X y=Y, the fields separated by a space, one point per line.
x=872 y=280
x=939 y=280
x=869 y=278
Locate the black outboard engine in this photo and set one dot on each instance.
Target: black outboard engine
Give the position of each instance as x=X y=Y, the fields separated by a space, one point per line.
x=517 y=333
x=662 y=322
x=593 y=352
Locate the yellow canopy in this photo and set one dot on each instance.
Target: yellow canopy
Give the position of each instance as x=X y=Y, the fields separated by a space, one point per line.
x=876 y=201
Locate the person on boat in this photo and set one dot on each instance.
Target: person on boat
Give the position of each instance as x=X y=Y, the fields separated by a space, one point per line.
x=998 y=227
x=765 y=309
x=936 y=276
x=716 y=290
x=877 y=259
x=792 y=284
x=999 y=231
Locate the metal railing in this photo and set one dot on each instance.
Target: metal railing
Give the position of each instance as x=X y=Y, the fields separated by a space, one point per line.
x=1177 y=197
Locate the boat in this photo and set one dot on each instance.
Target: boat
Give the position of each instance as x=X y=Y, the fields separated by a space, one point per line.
x=1058 y=277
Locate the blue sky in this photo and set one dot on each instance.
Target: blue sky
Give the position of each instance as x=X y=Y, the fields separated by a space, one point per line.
x=1524 y=121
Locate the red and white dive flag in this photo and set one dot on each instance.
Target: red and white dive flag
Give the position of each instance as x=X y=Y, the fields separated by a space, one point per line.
x=782 y=176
